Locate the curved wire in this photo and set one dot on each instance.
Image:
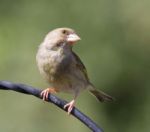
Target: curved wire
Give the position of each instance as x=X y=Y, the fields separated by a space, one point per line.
x=22 y=88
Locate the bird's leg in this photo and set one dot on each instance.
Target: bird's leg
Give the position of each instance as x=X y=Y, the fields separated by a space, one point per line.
x=45 y=92
x=71 y=104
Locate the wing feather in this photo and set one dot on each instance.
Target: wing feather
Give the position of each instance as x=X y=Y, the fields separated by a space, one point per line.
x=81 y=66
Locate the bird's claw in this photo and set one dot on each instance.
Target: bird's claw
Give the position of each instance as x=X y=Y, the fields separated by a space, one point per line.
x=44 y=94
x=70 y=106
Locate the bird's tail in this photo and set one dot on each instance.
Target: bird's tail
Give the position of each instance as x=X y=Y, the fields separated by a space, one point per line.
x=101 y=96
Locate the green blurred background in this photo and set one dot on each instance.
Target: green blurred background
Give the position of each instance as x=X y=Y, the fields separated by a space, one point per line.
x=115 y=48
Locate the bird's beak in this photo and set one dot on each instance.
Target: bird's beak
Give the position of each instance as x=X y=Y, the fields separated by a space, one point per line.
x=72 y=38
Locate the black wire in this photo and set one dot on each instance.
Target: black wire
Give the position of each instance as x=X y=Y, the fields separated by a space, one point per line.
x=22 y=88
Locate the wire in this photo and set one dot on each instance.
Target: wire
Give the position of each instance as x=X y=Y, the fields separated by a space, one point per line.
x=22 y=88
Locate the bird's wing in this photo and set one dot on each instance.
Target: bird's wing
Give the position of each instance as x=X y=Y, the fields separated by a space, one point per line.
x=81 y=66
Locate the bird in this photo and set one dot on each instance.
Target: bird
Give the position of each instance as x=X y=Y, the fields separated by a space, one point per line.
x=62 y=68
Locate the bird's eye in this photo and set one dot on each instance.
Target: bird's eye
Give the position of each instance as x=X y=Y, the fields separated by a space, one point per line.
x=64 y=31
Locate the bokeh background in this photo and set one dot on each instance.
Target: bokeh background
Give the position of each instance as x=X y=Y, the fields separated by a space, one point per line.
x=115 y=48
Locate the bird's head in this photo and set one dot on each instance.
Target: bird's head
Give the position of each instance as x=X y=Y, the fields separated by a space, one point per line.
x=60 y=36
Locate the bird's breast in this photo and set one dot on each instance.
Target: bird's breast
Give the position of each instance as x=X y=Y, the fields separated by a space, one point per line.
x=58 y=69
x=53 y=65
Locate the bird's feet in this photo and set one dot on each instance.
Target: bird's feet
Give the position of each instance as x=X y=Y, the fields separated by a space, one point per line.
x=70 y=106
x=44 y=93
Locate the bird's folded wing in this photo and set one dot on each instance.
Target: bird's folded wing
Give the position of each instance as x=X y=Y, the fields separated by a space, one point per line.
x=81 y=66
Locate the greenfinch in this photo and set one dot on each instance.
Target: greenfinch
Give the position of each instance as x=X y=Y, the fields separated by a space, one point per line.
x=62 y=68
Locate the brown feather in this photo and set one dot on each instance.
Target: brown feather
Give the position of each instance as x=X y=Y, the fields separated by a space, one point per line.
x=100 y=95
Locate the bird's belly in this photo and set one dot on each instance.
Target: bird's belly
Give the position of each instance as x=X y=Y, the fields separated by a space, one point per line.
x=52 y=69
x=69 y=84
